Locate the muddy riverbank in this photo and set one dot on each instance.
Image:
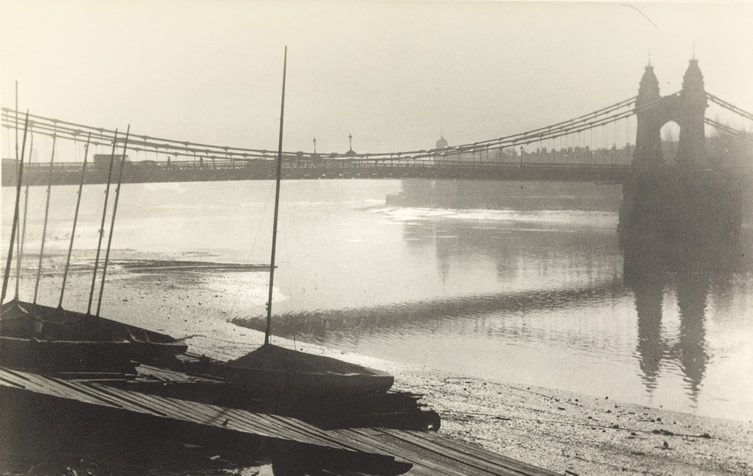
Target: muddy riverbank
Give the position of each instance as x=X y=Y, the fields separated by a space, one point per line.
x=572 y=433
x=562 y=431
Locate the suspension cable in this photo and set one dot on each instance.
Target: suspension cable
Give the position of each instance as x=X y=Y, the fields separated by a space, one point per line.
x=730 y=106
x=728 y=129
x=100 y=136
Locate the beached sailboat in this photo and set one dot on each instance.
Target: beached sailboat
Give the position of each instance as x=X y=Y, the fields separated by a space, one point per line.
x=288 y=373
x=36 y=336
x=43 y=337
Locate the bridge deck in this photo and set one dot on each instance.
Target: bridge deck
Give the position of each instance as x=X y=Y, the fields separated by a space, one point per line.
x=140 y=172
x=353 y=168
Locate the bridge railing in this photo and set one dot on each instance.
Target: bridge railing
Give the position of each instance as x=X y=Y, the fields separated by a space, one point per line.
x=9 y=165
x=445 y=164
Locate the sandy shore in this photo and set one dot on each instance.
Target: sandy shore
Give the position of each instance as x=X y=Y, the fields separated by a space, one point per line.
x=568 y=432
x=571 y=433
x=564 y=432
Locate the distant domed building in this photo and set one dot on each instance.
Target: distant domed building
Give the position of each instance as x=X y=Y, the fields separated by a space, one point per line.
x=442 y=143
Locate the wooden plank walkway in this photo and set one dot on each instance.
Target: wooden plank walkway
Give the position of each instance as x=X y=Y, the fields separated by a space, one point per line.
x=427 y=452
x=101 y=395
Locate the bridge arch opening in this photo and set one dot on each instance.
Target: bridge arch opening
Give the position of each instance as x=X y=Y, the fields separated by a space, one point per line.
x=670 y=137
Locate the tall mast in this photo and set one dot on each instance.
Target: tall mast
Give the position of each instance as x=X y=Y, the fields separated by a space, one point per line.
x=102 y=225
x=16 y=119
x=46 y=216
x=75 y=220
x=18 y=243
x=277 y=204
x=14 y=227
x=112 y=223
x=22 y=231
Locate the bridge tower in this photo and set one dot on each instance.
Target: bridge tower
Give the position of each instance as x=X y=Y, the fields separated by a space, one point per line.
x=683 y=201
x=686 y=108
x=649 y=121
x=691 y=112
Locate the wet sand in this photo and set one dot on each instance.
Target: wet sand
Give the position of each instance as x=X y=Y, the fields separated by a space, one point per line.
x=565 y=432
x=568 y=432
x=572 y=433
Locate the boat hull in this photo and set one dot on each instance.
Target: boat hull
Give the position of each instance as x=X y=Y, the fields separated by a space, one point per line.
x=41 y=337
x=291 y=384
x=272 y=370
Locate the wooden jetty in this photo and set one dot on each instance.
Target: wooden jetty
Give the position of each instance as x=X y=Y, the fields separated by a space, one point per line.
x=111 y=397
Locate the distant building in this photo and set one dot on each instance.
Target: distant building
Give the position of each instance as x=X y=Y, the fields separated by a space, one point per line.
x=442 y=143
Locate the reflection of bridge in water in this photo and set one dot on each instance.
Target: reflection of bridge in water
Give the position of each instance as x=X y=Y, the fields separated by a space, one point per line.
x=688 y=350
x=693 y=273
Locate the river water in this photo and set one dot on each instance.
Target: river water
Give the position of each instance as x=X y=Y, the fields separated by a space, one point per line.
x=532 y=295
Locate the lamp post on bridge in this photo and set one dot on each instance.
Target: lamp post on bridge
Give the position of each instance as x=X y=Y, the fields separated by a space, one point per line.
x=314 y=146
x=521 y=156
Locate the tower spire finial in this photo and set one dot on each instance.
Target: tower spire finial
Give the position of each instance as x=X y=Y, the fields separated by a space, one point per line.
x=649 y=58
x=693 y=51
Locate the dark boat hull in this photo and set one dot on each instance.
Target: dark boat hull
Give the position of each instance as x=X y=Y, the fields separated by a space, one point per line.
x=273 y=370
x=41 y=337
x=65 y=355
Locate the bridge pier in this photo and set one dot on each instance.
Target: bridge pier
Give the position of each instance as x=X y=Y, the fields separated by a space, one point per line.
x=700 y=207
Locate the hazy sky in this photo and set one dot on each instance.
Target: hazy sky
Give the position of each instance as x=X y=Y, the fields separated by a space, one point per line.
x=391 y=73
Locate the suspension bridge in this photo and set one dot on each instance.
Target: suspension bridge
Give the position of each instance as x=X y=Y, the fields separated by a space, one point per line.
x=704 y=173
x=573 y=150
